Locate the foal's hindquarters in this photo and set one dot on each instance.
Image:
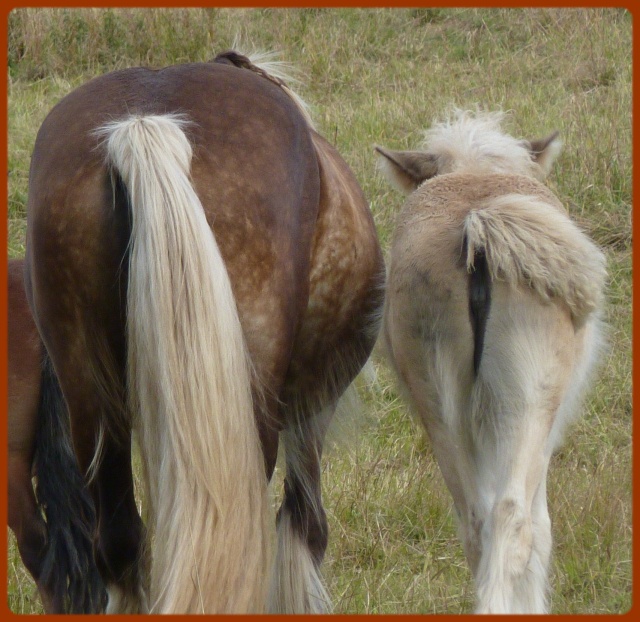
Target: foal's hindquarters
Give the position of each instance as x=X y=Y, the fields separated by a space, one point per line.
x=493 y=361
x=493 y=436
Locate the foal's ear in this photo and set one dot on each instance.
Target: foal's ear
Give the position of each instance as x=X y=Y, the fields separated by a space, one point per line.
x=544 y=151
x=406 y=170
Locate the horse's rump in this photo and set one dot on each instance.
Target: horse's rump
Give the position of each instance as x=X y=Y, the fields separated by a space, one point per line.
x=254 y=175
x=205 y=185
x=253 y=168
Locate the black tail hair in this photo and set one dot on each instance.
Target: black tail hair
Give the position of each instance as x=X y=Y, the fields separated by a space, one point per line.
x=69 y=567
x=479 y=303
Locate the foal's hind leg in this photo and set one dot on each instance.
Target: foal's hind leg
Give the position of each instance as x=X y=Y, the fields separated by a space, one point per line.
x=531 y=589
x=528 y=363
x=511 y=576
x=301 y=524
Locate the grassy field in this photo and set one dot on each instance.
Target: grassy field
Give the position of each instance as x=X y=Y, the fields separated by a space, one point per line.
x=382 y=76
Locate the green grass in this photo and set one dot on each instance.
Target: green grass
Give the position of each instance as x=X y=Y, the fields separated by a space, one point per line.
x=381 y=76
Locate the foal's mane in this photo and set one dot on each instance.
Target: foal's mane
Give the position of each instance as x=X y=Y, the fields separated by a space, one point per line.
x=266 y=65
x=474 y=142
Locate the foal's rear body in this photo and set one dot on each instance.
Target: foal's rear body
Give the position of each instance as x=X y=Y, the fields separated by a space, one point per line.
x=491 y=324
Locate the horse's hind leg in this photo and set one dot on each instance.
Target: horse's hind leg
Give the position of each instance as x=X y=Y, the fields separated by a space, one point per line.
x=301 y=524
x=29 y=528
x=310 y=398
x=120 y=545
x=531 y=590
x=445 y=421
x=23 y=393
x=102 y=443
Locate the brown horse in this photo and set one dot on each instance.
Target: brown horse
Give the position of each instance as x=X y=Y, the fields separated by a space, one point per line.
x=491 y=321
x=57 y=552
x=203 y=269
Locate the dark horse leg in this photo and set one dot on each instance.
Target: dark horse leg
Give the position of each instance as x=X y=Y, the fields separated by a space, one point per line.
x=102 y=441
x=334 y=341
x=120 y=552
x=83 y=331
x=28 y=526
x=104 y=455
x=302 y=524
x=68 y=567
x=303 y=530
x=58 y=551
x=24 y=357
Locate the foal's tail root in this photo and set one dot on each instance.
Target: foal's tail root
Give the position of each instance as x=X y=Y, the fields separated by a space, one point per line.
x=189 y=381
x=531 y=243
x=69 y=567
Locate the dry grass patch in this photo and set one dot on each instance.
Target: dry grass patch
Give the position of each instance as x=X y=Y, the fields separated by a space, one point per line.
x=381 y=76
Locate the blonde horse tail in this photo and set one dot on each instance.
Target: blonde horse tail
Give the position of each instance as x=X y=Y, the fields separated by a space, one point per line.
x=189 y=384
x=526 y=241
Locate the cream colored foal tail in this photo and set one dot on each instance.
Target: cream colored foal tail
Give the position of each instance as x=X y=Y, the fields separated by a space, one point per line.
x=189 y=385
x=529 y=242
